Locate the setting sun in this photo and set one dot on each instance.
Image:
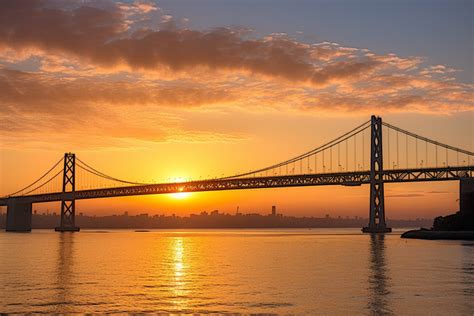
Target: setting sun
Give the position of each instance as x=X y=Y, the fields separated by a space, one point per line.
x=181 y=195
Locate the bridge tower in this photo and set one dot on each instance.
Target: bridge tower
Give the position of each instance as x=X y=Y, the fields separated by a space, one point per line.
x=377 y=199
x=68 y=208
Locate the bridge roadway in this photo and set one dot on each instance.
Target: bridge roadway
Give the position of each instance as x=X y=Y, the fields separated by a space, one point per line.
x=341 y=178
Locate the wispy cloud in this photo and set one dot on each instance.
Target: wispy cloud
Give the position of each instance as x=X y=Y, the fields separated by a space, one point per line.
x=35 y=105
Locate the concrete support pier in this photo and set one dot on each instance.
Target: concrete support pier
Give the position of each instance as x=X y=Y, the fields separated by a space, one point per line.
x=376 y=229
x=18 y=216
x=67 y=229
x=466 y=196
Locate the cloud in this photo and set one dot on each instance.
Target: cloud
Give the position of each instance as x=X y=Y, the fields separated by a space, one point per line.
x=133 y=64
x=439 y=192
x=409 y=195
x=35 y=106
x=102 y=36
x=414 y=194
x=140 y=37
x=37 y=93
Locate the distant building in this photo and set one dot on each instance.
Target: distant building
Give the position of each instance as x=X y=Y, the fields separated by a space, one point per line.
x=274 y=210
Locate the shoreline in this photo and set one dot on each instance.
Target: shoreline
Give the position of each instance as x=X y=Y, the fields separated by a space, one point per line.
x=438 y=235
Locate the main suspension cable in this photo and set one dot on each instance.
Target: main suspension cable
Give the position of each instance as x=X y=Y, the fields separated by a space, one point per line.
x=317 y=150
x=44 y=175
x=98 y=173
x=436 y=143
x=41 y=185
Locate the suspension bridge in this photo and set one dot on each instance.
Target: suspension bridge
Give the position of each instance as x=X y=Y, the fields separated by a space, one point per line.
x=355 y=158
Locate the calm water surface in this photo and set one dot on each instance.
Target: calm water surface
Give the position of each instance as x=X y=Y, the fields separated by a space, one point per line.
x=318 y=271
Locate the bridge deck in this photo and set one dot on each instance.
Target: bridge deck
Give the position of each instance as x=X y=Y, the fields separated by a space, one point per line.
x=340 y=178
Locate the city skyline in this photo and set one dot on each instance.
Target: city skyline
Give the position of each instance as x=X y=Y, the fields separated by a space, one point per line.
x=214 y=219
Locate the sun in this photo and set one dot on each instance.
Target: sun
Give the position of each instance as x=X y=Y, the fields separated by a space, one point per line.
x=180 y=195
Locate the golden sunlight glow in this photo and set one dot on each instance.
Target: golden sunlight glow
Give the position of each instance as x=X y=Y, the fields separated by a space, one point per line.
x=180 y=195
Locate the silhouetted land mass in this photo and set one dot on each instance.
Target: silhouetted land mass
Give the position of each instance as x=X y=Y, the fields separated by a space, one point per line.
x=458 y=221
x=455 y=226
x=212 y=220
x=458 y=226
x=439 y=234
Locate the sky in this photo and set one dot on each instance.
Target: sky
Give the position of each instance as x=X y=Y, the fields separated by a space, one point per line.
x=155 y=91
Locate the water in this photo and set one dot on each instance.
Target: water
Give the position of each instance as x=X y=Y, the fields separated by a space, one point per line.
x=318 y=271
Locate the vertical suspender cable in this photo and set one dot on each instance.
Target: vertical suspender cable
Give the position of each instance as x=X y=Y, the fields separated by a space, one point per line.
x=363 y=149
x=426 y=153
x=355 y=152
x=330 y=158
x=398 y=153
x=338 y=158
x=324 y=165
x=388 y=147
x=416 y=152
x=315 y=163
x=447 y=162
x=347 y=155
x=406 y=154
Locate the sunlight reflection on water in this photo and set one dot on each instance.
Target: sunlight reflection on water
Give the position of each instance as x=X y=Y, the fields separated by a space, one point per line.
x=242 y=271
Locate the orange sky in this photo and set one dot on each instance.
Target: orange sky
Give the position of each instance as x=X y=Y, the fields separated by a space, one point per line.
x=160 y=101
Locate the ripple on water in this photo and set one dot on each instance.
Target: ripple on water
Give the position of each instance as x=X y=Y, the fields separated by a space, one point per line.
x=273 y=272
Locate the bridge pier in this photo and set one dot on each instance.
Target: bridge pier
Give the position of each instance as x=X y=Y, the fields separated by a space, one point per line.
x=18 y=216
x=466 y=196
x=377 y=196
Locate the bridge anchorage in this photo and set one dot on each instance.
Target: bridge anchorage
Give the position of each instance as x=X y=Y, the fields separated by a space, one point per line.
x=341 y=161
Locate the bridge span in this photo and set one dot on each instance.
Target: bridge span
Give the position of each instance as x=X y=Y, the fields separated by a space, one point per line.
x=341 y=178
x=19 y=204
